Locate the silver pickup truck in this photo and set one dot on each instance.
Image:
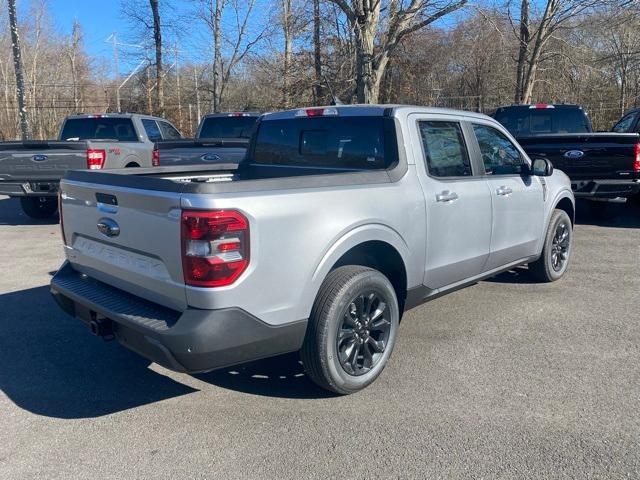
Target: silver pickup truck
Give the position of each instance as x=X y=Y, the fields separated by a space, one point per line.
x=31 y=170
x=338 y=220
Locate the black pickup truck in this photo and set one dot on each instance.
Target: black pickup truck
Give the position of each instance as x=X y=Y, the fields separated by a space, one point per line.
x=221 y=138
x=603 y=167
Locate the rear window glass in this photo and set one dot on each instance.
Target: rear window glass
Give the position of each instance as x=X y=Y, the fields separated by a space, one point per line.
x=356 y=143
x=541 y=121
x=99 y=129
x=227 y=127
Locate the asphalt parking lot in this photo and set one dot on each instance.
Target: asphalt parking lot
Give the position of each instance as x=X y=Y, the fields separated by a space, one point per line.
x=505 y=379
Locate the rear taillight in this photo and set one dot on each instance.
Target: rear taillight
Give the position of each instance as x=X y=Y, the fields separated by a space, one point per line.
x=215 y=247
x=155 y=158
x=64 y=240
x=636 y=164
x=95 y=159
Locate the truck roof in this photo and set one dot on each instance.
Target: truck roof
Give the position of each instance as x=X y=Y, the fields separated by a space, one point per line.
x=375 y=110
x=534 y=106
x=113 y=115
x=231 y=114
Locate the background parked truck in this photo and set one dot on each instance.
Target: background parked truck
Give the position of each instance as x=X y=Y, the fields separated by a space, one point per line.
x=31 y=170
x=603 y=167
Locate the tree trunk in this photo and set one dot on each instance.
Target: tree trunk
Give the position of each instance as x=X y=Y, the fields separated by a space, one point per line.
x=288 y=42
x=147 y=86
x=522 y=50
x=367 y=81
x=317 y=59
x=215 y=10
x=17 y=64
x=157 y=38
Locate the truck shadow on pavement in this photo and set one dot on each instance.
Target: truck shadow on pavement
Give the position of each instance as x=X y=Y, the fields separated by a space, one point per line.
x=11 y=214
x=281 y=376
x=627 y=215
x=51 y=365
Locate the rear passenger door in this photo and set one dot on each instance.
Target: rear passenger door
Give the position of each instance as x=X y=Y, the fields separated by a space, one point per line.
x=458 y=204
x=516 y=197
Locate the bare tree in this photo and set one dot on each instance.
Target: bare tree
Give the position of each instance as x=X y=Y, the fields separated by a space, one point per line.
x=157 y=40
x=239 y=38
x=523 y=47
x=557 y=14
x=317 y=54
x=73 y=50
x=17 y=65
x=401 y=20
x=287 y=31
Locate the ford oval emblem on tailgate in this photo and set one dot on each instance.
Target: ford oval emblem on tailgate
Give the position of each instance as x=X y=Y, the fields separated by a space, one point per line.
x=108 y=227
x=574 y=154
x=39 y=158
x=210 y=157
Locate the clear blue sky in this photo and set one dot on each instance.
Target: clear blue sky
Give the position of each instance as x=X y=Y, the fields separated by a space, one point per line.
x=100 y=18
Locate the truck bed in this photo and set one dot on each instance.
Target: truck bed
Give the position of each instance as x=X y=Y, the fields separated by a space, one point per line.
x=228 y=177
x=604 y=155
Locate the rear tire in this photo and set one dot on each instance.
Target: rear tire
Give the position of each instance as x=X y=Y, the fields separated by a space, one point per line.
x=352 y=329
x=39 y=208
x=554 y=261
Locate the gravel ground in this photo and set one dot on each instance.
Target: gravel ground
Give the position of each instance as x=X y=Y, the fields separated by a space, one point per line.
x=505 y=379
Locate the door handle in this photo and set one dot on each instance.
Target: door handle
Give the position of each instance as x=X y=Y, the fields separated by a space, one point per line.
x=446 y=196
x=504 y=191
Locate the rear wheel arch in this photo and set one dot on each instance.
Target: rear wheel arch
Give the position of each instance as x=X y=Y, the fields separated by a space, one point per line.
x=380 y=256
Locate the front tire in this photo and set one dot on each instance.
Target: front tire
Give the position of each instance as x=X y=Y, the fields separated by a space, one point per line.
x=554 y=261
x=39 y=208
x=352 y=329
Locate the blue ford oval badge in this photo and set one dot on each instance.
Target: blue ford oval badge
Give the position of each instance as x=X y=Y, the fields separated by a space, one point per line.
x=39 y=158
x=210 y=157
x=574 y=154
x=108 y=227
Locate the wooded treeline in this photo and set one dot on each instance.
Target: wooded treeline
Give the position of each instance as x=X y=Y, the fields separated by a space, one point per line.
x=259 y=55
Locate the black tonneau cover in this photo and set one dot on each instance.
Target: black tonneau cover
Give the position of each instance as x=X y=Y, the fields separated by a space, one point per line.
x=43 y=145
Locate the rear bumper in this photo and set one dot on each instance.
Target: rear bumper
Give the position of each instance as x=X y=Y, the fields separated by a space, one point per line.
x=605 y=188
x=191 y=341
x=40 y=188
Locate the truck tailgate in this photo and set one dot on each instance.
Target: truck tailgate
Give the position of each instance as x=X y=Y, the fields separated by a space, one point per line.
x=203 y=152
x=125 y=237
x=587 y=156
x=40 y=160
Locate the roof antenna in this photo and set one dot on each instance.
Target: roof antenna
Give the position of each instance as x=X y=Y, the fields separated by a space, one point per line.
x=334 y=99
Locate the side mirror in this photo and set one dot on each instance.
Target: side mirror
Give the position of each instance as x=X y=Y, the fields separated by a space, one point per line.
x=541 y=167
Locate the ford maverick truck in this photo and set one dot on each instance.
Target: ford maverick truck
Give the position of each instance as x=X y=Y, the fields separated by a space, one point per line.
x=337 y=221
